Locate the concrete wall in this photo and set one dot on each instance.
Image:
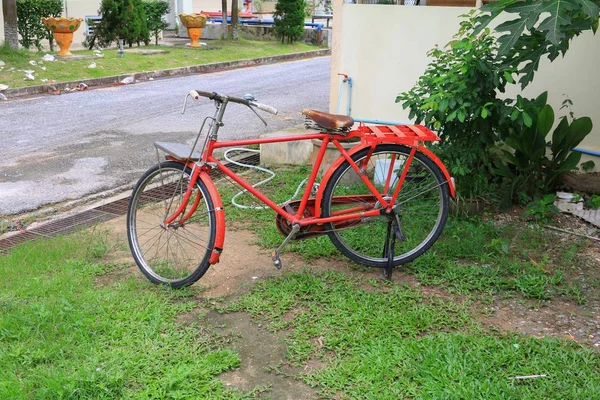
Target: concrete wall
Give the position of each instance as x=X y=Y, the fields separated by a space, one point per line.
x=383 y=48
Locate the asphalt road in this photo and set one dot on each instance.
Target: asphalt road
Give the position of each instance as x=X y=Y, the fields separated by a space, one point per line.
x=57 y=148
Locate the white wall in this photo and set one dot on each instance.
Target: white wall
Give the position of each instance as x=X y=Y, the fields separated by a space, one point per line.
x=383 y=48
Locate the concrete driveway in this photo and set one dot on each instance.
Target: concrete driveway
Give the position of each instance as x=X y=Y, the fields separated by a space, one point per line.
x=57 y=148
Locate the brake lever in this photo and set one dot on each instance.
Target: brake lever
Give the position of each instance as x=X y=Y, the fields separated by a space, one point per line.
x=261 y=118
x=185 y=103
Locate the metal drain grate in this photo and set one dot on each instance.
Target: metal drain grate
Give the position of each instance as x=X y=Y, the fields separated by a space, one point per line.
x=98 y=214
x=117 y=208
x=69 y=224
x=15 y=240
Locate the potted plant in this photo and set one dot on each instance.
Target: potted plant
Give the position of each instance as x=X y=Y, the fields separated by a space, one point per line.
x=62 y=28
x=194 y=24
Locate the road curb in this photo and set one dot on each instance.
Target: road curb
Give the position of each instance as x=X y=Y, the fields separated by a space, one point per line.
x=141 y=76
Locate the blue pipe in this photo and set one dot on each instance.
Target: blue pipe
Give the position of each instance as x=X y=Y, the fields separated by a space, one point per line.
x=267 y=22
x=588 y=152
x=377 y=121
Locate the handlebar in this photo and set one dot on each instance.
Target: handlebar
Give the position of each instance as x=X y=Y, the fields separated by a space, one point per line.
x=196 y=94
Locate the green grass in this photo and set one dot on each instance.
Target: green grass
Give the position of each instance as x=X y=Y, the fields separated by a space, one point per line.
x=62 y=335
x=392 y=342
x=111 y=64
x=472 y=256
x=478 y=255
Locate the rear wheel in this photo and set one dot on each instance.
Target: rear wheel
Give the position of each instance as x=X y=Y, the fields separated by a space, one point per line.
x=421 y=207
x=176 y=253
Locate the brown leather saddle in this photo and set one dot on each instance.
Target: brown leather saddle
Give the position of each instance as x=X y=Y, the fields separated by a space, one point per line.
x=327 y=122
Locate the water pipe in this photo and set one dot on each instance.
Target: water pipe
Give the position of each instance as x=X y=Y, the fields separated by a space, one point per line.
x=588 y=152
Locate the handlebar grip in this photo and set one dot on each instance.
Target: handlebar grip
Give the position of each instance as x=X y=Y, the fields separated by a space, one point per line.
x=264 y=107
x=196 y=94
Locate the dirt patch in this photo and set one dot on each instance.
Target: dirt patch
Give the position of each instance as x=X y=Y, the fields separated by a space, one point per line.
x=262 y=353
x=557 y=318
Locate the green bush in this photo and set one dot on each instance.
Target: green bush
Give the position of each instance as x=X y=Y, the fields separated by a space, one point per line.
x=155 y=10
x=289 y=20
x=527 y=168
x=458 y=96
x=29 y=24
x=121 y=19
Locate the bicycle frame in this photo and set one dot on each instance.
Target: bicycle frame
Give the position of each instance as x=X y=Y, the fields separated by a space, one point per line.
x=412 y=136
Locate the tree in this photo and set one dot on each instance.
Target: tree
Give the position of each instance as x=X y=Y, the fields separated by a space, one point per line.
x=155 y=10
x=289 y=19
x=234 y=19
x=542 y=28
x=9 y=8
x=121 y=19
x=224 y=19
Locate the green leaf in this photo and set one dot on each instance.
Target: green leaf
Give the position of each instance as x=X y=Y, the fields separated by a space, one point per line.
x=515 y=28
x=484 y=113
x=578 y=130
x=527 y=120
x=452 y=116
x=508 y=76
x=514 y=115
x=570 y=163
x=541 y=100
x=589 y=8
x=559 y=135
x=545 y=120
x=559 y=17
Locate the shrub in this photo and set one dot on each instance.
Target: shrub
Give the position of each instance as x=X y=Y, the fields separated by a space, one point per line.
x=289 y=20
x=155 y=10
x=121 y=19
x=527 y=168
x=29 y=24
x=458 y=96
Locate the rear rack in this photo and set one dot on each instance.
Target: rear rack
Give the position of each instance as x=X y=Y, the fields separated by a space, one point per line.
x=405 y=134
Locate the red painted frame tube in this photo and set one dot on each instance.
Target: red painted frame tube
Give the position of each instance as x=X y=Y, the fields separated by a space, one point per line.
x=407 y=164
x=388 y=179
x=362 y=176
x=312 y=178
x=277 y=139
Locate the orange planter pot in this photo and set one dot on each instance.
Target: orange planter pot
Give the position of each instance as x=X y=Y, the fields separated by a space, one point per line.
x=194 y=34
x=62 y=29
x=194 y=24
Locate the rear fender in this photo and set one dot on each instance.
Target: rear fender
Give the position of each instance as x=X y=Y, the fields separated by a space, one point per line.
x=219 y=214
x=442 y=167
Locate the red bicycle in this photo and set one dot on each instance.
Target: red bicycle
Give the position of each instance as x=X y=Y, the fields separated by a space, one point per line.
x=383 y=203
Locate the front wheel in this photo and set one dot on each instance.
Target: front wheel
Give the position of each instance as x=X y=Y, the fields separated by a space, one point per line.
x=421 y=207
x=175 y=253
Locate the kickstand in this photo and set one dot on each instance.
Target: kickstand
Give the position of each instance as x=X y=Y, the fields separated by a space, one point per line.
x=275 y=254
x=388 y=249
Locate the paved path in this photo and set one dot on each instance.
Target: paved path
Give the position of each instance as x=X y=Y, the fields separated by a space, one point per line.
x=56 y=148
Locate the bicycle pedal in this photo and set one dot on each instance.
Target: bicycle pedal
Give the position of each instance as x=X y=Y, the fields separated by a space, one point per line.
x=276 y=260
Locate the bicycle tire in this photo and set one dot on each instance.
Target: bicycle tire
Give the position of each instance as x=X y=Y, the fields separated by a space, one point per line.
x=178 y=254
x=363 y=242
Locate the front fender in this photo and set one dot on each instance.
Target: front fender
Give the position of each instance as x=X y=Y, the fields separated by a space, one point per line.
x=219 y=216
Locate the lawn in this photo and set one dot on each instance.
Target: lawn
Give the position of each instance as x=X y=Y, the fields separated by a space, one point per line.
x=111 y=64
x=78 y=321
